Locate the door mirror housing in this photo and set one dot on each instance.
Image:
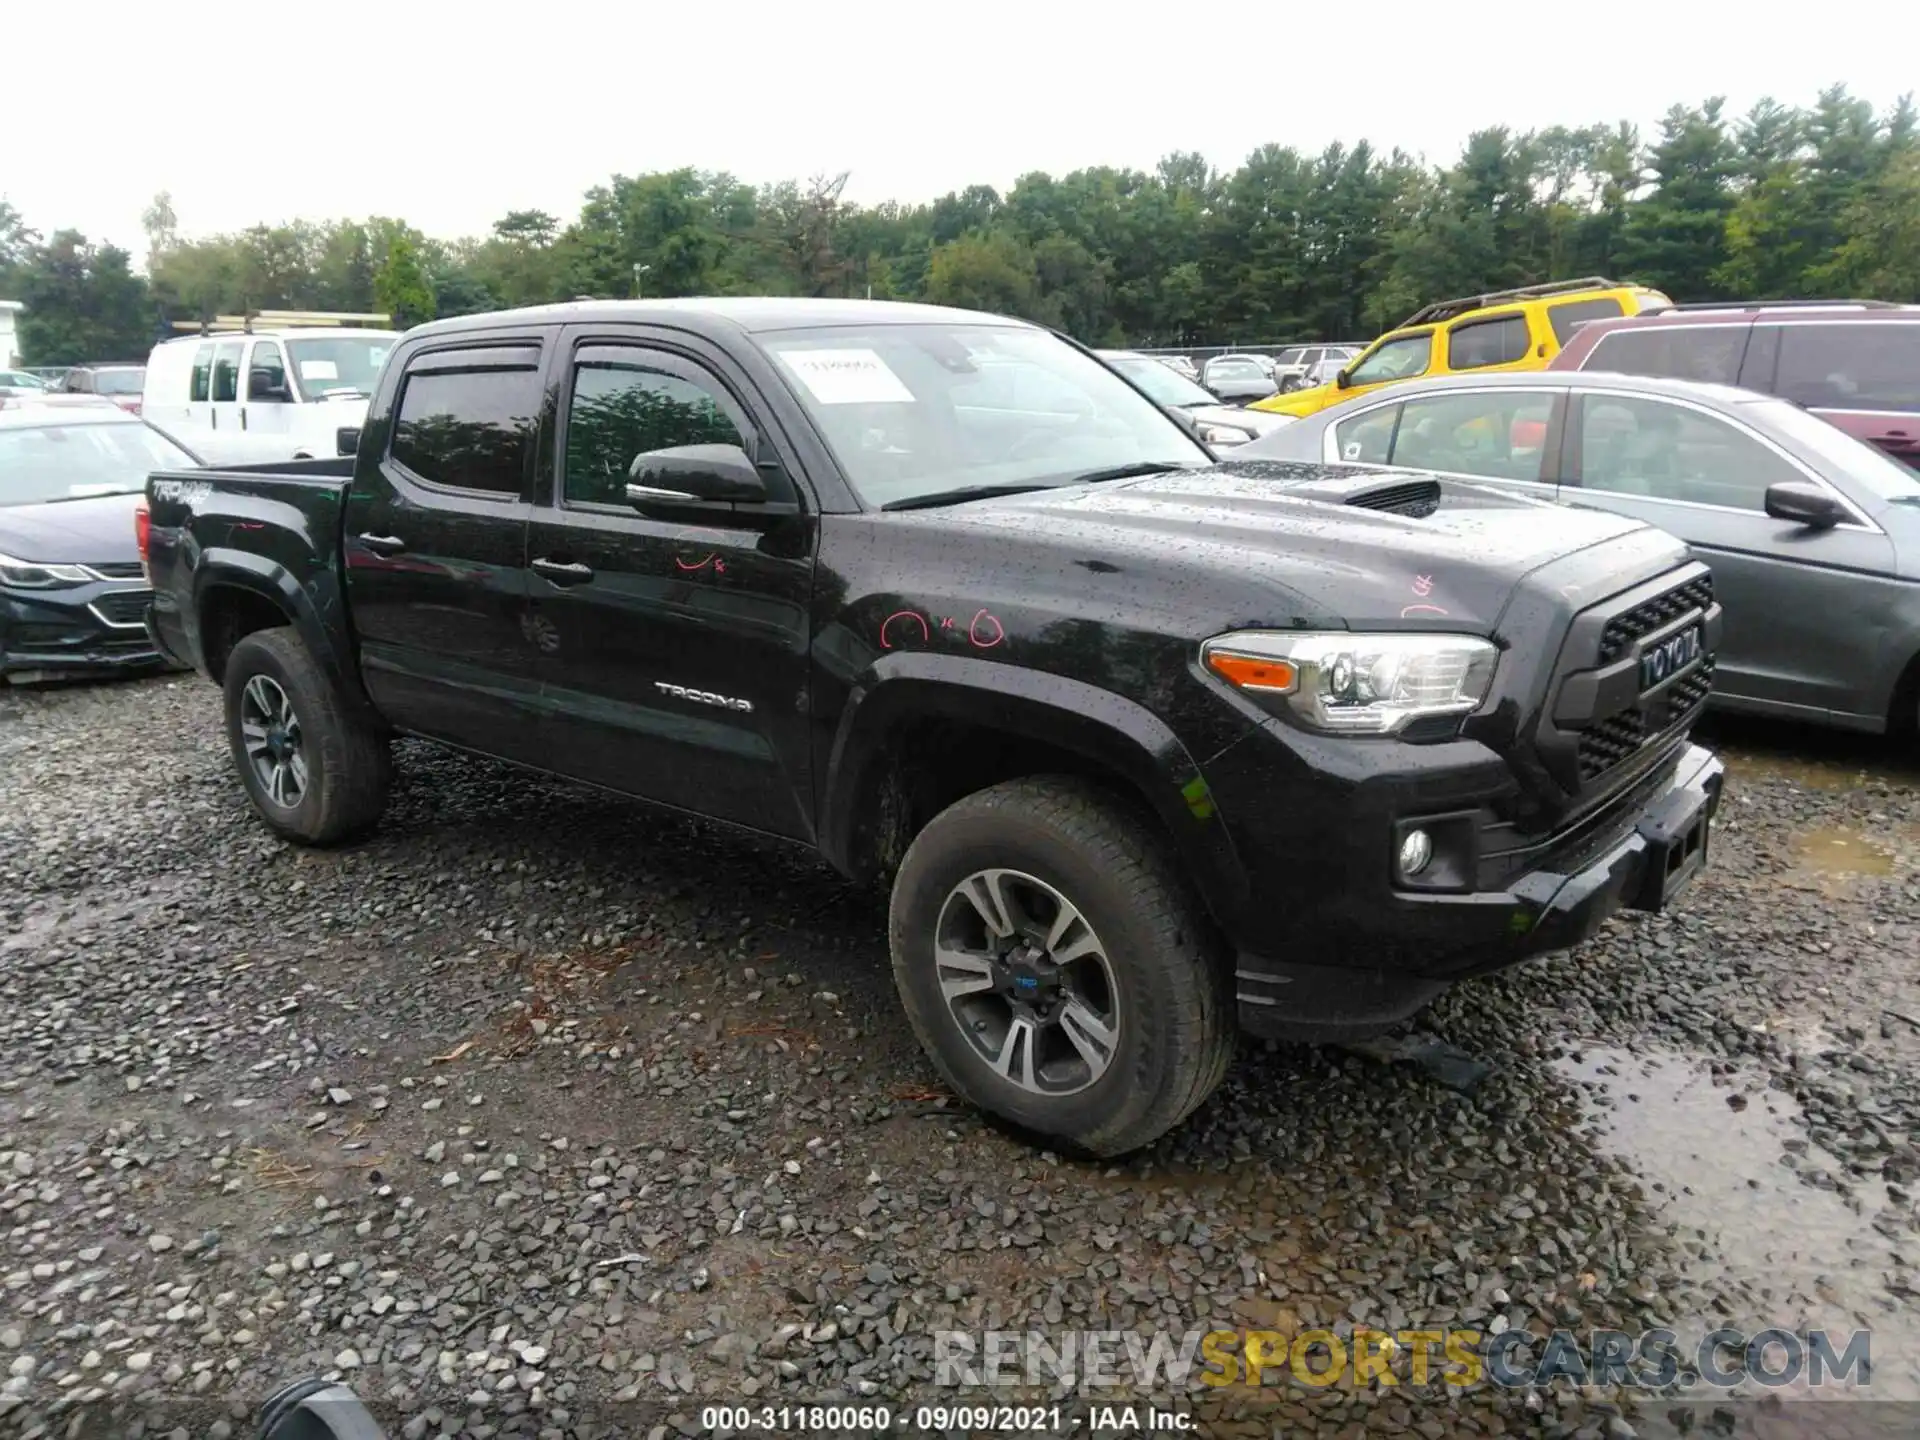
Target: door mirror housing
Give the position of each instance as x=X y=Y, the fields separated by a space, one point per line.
x=695 y=474
x=1342 y=379
x=1804 y=504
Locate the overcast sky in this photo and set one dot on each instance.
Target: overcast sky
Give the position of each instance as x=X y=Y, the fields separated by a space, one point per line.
x=451 y=115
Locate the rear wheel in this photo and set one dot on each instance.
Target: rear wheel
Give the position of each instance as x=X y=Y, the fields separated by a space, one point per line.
x=315 y=772
x=1056 y=968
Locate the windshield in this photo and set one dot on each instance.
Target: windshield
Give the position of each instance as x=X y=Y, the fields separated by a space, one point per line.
x=119 y=382
x=1164 y=386
x=338 y=364
x=73 y=461
x=1864 y=464
x=920 y=410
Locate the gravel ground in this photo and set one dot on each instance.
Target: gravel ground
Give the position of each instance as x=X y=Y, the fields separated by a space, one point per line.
x=542 y=1113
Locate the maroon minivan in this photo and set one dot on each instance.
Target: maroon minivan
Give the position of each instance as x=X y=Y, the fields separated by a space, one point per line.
x=1853 y=362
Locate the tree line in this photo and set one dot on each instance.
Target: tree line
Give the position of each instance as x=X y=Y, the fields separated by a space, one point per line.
x=1778 y=202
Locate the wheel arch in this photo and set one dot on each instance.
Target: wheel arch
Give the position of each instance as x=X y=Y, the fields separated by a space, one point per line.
x=237 y=593
x=930 y=729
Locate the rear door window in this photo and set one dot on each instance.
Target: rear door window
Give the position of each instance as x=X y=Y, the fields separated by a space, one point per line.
x=1570 y=315
x=1679 y=352
x=202 y=373
x=1480 y=343
x=1865 y=366
x=466 y=418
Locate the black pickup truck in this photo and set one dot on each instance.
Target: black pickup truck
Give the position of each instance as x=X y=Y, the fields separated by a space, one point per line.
x=1146 y=743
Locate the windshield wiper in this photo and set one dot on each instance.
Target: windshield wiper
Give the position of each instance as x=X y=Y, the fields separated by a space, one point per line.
x=1129 y=472
x=961 y=495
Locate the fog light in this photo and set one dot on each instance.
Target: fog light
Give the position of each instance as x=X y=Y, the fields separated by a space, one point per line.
x=1416 y=849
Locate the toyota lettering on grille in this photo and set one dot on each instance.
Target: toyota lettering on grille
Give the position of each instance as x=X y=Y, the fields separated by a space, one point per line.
x=1660 y=663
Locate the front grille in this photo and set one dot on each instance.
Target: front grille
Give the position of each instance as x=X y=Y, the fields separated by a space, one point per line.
x=123 y=607
x=1623 y=630
x=1605 y=743
x=118 y=570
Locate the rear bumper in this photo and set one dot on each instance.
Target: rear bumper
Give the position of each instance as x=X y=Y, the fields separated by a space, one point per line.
x=73 y=632
x=1641 y=860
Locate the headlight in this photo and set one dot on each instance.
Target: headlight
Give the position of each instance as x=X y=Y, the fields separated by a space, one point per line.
x=1356 y=684
x=1225 y=435
x=29 y=575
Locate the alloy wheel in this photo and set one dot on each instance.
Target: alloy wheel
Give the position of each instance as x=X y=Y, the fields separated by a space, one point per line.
x=1027 y=981
x=270 y=731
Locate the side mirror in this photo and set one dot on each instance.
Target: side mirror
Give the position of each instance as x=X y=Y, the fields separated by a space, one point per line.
x=1342 y=380
x=694 y=475
x=1804 y=504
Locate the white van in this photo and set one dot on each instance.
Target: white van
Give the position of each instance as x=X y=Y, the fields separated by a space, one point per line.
x=303 y=384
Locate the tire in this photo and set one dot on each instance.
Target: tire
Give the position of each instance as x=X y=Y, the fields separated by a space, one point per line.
x=1152 y=959
x=342 y=766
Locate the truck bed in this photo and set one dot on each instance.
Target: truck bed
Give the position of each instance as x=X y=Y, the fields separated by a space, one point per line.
x=271 y=529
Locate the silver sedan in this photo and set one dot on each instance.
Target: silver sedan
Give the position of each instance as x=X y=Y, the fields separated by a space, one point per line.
x=1813 y=537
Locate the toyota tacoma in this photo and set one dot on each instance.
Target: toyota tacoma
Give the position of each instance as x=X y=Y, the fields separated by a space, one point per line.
x=1149 y=747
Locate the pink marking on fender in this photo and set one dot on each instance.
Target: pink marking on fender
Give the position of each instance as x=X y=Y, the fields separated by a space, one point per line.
x=698 y=565
x=925 y=633
x=1413 y=610
x=977 y=635
x=1423 y=585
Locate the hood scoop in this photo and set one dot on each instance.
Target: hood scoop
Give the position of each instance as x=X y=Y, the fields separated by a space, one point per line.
x=1417 y=496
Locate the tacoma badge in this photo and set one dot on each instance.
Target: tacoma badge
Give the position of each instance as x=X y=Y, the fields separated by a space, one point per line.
x=703 y=697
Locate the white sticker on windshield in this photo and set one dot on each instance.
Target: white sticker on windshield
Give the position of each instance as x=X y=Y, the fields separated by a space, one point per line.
x=847 y=377
x=319 y=370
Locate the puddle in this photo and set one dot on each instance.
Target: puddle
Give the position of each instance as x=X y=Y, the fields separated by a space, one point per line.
x=1748 y=1200
x=1834 y=850
x=1796 y=770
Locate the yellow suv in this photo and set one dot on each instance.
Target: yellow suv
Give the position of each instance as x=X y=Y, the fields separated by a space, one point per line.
x=1506 y=330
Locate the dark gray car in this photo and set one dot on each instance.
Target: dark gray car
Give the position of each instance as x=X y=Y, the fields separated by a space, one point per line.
x=1813 y=536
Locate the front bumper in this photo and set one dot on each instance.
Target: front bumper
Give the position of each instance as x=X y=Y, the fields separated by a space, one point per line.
x=1639 y=855
x=76 y=631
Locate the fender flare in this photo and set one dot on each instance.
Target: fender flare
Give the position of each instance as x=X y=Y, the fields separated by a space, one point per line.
x=315 y=608
x=1119 y=735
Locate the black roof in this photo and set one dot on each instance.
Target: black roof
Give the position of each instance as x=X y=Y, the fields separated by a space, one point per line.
x=747 y=313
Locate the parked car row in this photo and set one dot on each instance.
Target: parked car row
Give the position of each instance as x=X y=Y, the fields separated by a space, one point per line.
x=1219 y=426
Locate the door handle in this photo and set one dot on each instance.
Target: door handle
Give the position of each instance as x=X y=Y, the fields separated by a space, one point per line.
x=383 y=544
x=563 y=572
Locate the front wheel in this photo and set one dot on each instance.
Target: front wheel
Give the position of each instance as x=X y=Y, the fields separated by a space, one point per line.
x=315 y=772
x=1056 y=968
